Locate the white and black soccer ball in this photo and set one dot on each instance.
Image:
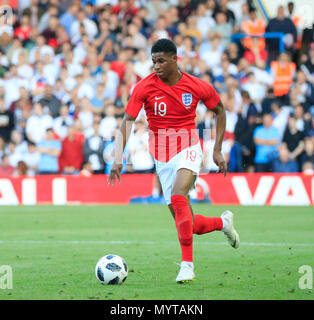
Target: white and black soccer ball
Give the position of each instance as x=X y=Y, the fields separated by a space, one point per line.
x=111 y=269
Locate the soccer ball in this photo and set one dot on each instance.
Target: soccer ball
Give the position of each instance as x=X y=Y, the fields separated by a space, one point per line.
x=111 y=269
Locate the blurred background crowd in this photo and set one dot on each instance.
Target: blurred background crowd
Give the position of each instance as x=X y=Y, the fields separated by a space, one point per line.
x=67 y=69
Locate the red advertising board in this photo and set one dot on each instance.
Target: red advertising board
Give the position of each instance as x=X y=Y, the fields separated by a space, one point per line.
x=243 y=189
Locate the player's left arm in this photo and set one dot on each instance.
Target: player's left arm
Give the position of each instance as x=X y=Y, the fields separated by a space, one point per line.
x=218 y=158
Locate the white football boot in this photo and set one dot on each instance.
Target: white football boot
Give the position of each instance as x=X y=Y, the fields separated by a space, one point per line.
x=229 y=230
x=186 y=273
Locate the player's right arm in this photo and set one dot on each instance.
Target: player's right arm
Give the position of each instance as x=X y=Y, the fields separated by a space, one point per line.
x=133 y=108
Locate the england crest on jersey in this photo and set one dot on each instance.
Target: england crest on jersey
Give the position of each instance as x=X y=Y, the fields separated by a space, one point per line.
x=187 y=99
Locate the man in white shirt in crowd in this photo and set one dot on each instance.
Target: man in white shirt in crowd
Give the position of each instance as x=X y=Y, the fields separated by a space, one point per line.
x=37 y=124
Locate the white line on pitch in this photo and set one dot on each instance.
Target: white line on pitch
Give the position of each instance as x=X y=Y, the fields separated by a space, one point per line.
x=126 y=242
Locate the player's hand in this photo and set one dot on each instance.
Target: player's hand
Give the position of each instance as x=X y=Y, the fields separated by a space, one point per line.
x=115 y=172
x=220 y=162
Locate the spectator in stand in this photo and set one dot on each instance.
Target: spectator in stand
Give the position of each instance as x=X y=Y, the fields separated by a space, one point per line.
x=244 y=16
x=244 y=68
x=281 y=24
x=98 y=101
x=222 y=29
x=50 y=69
x=50 y=33
x=108 y=123
x=135 y=38
x=21 y=144
x=268 y=100
x=104 y=34
x=12 y=84
x=108 y=51
x=5 y=168
x=212 y=57
x=280 y=115
x=143 y=64
x=23 y=32
x=14 y=155
x=204 y=22
x=283 y=163
x=6 y=122
x=155 y=8
x=52 y=11
x=300 y=88
x=71 y=157
x=308 y=66
x=81 y=26
x=293 y=139
x=32 y=158
x=24 y=70
x=60 y=92
x=37 y=124
x=49 y=149
x=87 y=170
x=61 y=123
x=84 y=89
x=51 y=102
x=137 y=146
x=85 y=113
x=308 y=155
x=294 y=17
x=125 y=10
x=233 y=53
x=266 y=138
x=243 y=150
x=299 y=115
x=248 y=110
x=42 y=48
x=34 y=12
x=254 y=26
x=310 y=130
x=69 y=17
x=15 y=49
x=223 y=8
x=93 y=151
x=283 y=72
x=21 y=169
x=256 y=56
x=192 y=30
x=255 y=89
x=110 y=89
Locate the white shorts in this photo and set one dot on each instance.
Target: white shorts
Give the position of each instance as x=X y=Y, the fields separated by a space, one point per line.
x=189 y=158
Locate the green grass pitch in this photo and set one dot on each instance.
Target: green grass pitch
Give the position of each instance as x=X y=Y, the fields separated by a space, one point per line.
x=53 y=251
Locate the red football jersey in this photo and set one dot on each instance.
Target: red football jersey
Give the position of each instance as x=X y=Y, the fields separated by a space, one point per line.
x=171 y=111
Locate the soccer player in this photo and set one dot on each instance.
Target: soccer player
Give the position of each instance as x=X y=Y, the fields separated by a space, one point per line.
x=170 y=98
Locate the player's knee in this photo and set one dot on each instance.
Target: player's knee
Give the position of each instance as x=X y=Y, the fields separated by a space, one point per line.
x=179 y=192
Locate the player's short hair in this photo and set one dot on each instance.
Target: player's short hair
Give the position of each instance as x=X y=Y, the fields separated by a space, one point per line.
x=164 y=45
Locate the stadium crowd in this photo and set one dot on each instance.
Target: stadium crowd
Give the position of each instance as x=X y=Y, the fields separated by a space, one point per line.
x=67 y=69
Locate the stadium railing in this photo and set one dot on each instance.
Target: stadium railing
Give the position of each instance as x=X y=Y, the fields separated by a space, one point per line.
x=267 y=35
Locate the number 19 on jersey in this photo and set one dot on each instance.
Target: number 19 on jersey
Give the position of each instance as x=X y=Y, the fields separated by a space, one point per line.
x=160 y=109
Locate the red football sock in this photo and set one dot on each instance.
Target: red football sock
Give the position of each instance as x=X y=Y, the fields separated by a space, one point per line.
x=206 y=224
x=184 y=224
